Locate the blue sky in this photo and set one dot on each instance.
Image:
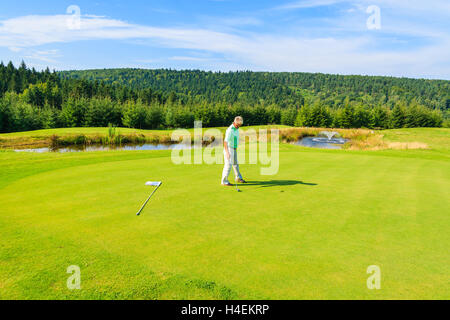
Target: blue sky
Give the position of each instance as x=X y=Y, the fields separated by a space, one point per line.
x=411 y=37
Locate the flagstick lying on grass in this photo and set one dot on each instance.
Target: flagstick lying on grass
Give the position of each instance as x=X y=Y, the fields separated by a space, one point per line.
x=149 y=183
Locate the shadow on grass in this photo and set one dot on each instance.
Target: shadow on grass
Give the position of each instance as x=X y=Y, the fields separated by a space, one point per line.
x=272 y=183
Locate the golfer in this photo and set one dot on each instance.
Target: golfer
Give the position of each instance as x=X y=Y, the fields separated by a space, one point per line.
x=230 y=145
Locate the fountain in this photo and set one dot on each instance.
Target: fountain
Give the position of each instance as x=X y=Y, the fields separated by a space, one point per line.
x=329 y=134
x=330 y=141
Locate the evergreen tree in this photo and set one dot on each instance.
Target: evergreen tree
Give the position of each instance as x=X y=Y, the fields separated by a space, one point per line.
x=398 y=116
x=303 y=118
x=288 y=116
x=273 y=114
x=347 y=116
x=74 y=112
x=379 y=118
x=361 y=117
x=134 y=115
x=169 y=98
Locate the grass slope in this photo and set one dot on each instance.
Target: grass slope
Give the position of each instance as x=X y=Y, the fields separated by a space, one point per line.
x=309 y=232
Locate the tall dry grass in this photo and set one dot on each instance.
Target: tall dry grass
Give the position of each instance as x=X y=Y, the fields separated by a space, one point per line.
x=294 y=134
x=376 y=142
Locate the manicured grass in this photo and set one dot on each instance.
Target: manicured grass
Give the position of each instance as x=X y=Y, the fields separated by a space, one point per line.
x=309 y=232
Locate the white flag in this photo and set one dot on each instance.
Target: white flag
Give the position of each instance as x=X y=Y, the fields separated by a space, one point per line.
x=153 y=183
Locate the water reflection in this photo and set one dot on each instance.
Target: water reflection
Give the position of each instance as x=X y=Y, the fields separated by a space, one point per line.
x=83 y=148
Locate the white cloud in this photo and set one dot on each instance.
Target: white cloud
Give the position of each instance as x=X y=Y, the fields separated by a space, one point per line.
x=15 y=49
x=43 y=55
x=31 y=31
x=233 y=21
x=440 y=7
x=273 y=52
x=307 y=4
x=188 y=58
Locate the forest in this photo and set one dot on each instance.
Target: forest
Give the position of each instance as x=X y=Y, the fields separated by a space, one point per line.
x=158 y=99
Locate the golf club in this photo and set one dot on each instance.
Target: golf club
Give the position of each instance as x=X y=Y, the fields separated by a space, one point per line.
x=149 y=183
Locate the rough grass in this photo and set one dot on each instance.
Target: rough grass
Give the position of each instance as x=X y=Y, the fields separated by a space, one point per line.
x=377 y=142
x=295 y=134
x=435 y=138
x=403 y=139
x=309 y=232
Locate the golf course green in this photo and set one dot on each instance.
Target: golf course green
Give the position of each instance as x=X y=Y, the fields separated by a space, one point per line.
x=308 y=232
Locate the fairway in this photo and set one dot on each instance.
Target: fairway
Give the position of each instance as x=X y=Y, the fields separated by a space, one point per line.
x=308 y=232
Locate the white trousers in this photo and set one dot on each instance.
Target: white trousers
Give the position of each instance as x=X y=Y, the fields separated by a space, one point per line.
x=232 y=162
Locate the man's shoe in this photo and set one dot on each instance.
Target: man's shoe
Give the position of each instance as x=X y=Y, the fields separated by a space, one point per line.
x=241 y=181
x=227 y=184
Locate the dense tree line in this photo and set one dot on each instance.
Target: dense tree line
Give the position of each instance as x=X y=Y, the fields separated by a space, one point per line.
x=198 y=86
x=33 y=100
x=358 y=116
x=285 y=89
x=49 y=89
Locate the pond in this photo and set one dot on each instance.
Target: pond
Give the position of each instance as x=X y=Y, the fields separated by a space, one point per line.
x=313 y=142
x=128 y=146
x=81 y=148
x=318 y=142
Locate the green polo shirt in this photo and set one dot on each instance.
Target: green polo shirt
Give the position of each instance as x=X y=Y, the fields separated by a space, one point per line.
x=232 y=136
